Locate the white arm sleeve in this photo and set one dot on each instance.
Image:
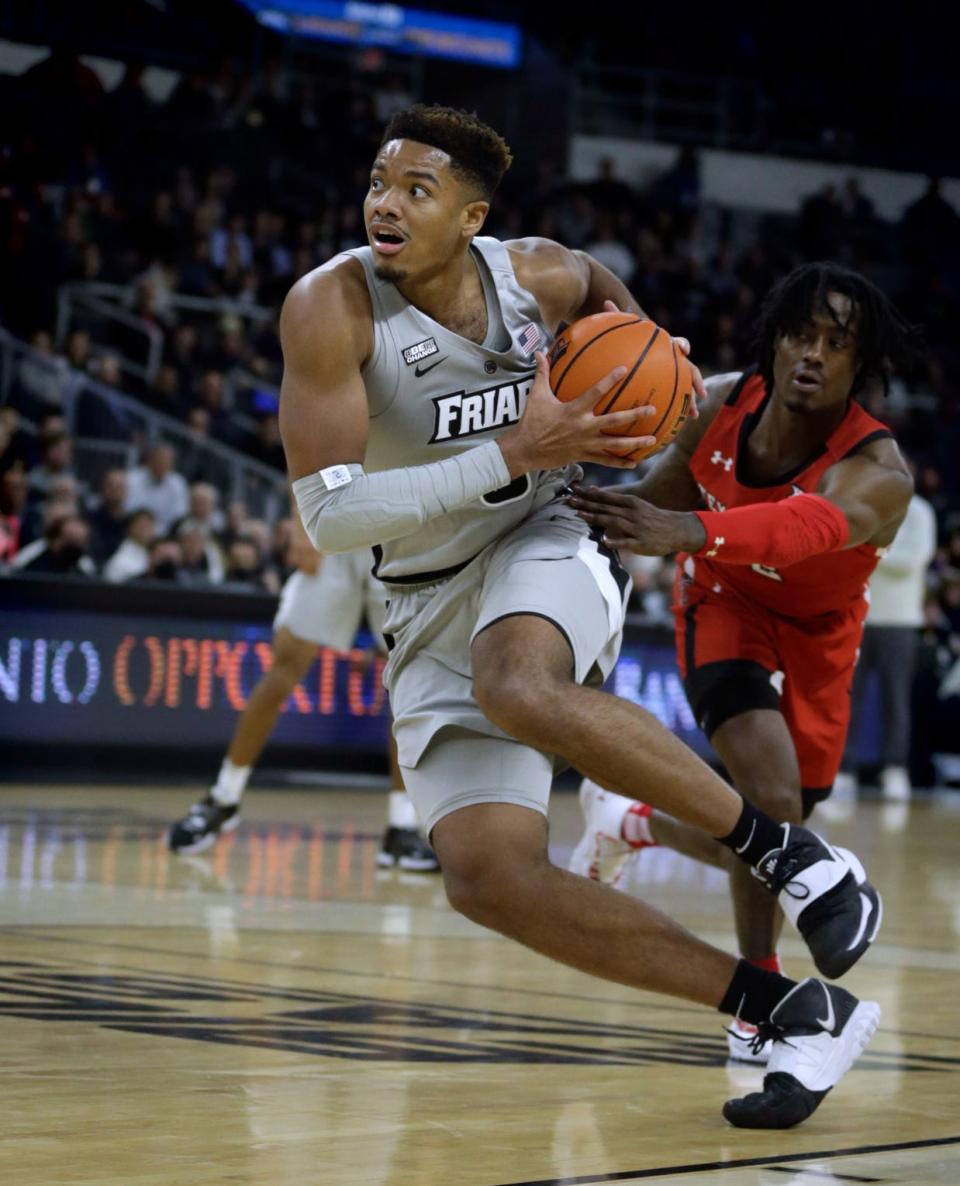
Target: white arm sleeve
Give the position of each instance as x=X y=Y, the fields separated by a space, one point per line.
x=343 y=508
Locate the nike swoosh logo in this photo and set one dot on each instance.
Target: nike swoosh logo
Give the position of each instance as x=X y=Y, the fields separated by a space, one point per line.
x=753 y=828
x=865 y=907
x=830 y=1021
x=420 y=372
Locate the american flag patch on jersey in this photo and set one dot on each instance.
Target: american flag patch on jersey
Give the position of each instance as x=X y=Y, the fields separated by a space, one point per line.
x=529 y=338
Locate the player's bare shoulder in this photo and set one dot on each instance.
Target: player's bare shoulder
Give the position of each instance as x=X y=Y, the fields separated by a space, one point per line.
x=554 y=274
x=329 y=308
x=886 y=452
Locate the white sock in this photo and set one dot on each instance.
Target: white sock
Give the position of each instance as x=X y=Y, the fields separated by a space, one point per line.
x=231 y=783
x=401 y=812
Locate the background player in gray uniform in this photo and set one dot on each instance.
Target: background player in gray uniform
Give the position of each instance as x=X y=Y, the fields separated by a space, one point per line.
x=417 y=415
x=321 y=605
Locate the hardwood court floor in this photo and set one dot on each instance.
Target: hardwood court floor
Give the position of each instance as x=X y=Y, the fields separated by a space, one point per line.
x=280 y=1013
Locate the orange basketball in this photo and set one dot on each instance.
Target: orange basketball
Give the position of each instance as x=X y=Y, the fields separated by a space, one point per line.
x=657 y=372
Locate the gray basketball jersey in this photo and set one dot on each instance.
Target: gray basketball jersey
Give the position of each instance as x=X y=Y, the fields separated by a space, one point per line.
x=433 y=393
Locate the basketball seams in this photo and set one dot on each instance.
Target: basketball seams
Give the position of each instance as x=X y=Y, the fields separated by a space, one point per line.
x=621 y=386
x=668 y=411
x=586 y=346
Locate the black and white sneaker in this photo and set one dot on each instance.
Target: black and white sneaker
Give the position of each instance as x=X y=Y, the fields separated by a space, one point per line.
x=825 y=893
x=818 y=1031
x=202 y=825
x=405 y=848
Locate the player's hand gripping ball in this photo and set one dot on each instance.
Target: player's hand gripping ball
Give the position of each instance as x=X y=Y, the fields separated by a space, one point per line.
x=658 y=373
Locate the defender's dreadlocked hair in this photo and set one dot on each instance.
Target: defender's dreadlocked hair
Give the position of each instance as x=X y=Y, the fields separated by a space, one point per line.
x=477 y=153
x=885 y=341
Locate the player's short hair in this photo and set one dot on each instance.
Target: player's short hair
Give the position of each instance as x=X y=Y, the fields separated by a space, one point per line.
x=885 y=340
x=478 y=154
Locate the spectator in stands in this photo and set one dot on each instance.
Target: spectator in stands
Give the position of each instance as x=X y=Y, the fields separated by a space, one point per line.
x=17 y=446
x=245 y=572
x=891 y=636
x=106 y=370
x=195 y=463
x=211 y=395
x=107 y=515
x=62 y=498
x=77 y=351
x=609 y=250
x=132 y=557
x=165 y=393
x=9 y=455
x=679 y=188
x=202 y=560
x=929 y=225
x=204 y=509
x=56 y=461
x=281 y=545
x=63 y=551
x=233 y=348
x=183 y=350
x=238 y=516
x=40 y=378
x=266 y=445
x=13 y=504
x=232 y=238
x=198 y=277
x=165 y=559
x=158 y=487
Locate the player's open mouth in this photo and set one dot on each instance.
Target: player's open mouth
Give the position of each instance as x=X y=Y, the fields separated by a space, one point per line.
x=807 y=380
x=386 y=242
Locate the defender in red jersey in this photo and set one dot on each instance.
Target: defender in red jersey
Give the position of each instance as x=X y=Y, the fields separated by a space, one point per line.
x=779 y=501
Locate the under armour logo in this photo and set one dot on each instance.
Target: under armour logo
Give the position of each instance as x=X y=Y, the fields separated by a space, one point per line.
x=719 y=459
x=718 y=543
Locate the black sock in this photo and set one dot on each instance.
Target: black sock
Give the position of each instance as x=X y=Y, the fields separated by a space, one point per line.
x=754 y=836
x=754 y=993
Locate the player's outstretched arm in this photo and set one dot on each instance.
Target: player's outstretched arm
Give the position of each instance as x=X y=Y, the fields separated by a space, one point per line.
x=871 y=492
x=860 y=500
x=668 y=483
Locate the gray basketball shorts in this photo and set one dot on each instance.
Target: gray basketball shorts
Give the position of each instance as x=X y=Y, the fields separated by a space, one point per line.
x=327 y=608
x=451 y=755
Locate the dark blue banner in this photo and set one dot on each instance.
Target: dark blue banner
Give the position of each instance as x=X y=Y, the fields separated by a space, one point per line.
x=394 y=27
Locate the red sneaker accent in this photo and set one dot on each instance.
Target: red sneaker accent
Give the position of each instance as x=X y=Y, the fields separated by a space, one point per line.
x=635 y=829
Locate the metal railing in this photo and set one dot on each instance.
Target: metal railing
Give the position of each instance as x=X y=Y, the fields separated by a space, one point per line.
x=94 y=411
x=108 y=304
x=74 y=300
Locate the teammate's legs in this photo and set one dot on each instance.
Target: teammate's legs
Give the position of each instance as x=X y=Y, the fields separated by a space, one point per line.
x=896 y=663
x=218 y=812
x=292 y=658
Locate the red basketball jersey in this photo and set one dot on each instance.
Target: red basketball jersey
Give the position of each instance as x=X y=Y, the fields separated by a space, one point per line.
x=819 y=585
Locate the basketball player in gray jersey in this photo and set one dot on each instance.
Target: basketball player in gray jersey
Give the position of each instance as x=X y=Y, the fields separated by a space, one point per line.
x=418 y=419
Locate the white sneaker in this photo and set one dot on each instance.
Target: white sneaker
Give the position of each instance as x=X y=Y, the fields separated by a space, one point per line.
x=825 y=893
x=602 y=851
x=818 y=1030
x=743 y=1045
x=846 y=785
x=895 y=784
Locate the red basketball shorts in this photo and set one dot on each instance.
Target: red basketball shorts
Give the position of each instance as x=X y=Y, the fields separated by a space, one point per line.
x=736 y=655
